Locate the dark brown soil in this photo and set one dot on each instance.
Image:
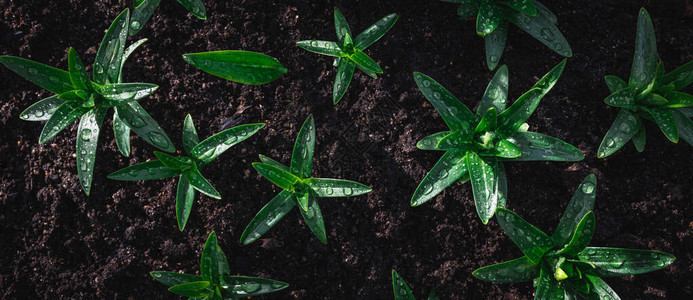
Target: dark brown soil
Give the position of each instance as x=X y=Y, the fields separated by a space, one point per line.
x=55 y=242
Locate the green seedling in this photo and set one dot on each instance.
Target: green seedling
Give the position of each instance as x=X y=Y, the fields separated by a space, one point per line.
x=349 y=52
x=239 y=66
x=562 y=265
x=215 y=281
x=402 y=291
x=188 y=167
x=493 y=16
x=476 y=145
x=78 y=97
x=144 y=9
x=299 y=188
x=649 y=94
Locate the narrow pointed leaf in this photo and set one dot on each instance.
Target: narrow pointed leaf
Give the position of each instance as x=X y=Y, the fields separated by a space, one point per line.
x=62 y=117
x=303 y=200
x=201 y=184
x=52 y=79
x=243 y=286
x=340 y=24
x=41 y=110
x=209 y=265
x=365 y=61
x=215 y=145
x=223 y=263
x=524 y=6
x=456 y=140
x=545 y=12
x=652 y=99
x=74 y=95
x=78 y=75
x=489 y=16
x=624 y=98
x=268 y=216
x=109 y=57
x=580 y=204
x=119 y=92
x=283 y=179
x=547 y=82
x=173 y=162
x=467 y=8
x=639 y=138
x=496 y=93
x=141 y=14
x=645 y=59
x=144 y=126
x=185 y=195
x=195 y=289
x=511 y=119
x=547 y=287
x=602 y=289
x=455 y=114
x=274 y=163
x=543 y=30
x=540 y=147
x=678 y=99
x=239 y=66
x=615 y=83
x=400 y=288
x=681 y=77
x=532 y=241
x=501 y=185
x=190 y=137
x=314 y=219
x=322 y=47
x=622 y=130
x=666 y=122
x=375 y=31
x=685 y=126
x=304 y=147
x=368 y=72
x=488 y=121
x=581 y=237
x=196 y=7
x=121 y=132
x=612 y=262
x=345 y=71
x=128 y=51
x=328 y=187
x=495 y=44
x=431 y=142
x=150 y=170
x=173 y=278
x=483 y=174
x=451 y=166
x=517 y=270
x=87 y=142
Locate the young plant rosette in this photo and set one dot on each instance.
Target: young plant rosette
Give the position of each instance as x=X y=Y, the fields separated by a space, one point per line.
x=215 y=281
x=562 y=266
x=299 y=189
x=188 y=167
x=349 y=53
x=649 y=94
x=477 y=144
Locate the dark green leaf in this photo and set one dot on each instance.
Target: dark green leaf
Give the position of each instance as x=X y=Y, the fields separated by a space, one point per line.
x=345 y=71
x=252 y=286
x=431 y=142
x=645 y=59
x=510 y=120
x=432 y=295
x=540 y=147
x=173 y=162
x=375 y=31
x=548 y=287
x=107 y=64
x=141 y=14
x=41 y=110
x=508 y=150
x=365 y=61
x=681 y=77
x=652 y=99
x=273 y=163
x=678 y=99
x=322 y=47
x=496 y=93
x=545 y=12
x=340 y=24
x=544 y=30
x=78 y=75
x=401 y=290
x=624 y=98
x=615 y=83
x=268 y=216
x=283 y=179
x=445 y=172
x=87 y=138
x=119 y=92
x=314 y=220
x=602 y=289
x=173 y=278
x=52 y=79
x=612 y=262
x=581 y=237
x=74 y=95
x=524 y=6
x=128 y=51
x=639 y=138
x=195 y=289
x=456 y=140
x=467 y=8
x=150 y=170
x=144 y=126
x=239 y=66
x=302 y=154
x=209 y=265
x=223 y=263
x=328 y=187
x=121 y=132
x=580 y=204
x=303 y=198
x=666 y=122
x=489 y=16
x=190 y=137
x=215 y=145
x=196 y=7
x=488 y=121
x=685 y=126
x=495 y=44
x=185 y=195
x=455 y=114
x=532 y=241
x=201 y=184
x=62 y=117
x=547 y=82
x=483 y=172
x=622 y=130
x=517 y=270
x=364 y=70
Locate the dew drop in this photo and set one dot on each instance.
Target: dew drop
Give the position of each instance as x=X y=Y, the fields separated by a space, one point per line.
x=547 y=34
x=436 y=95
x=588 y=188
x=157 y=139
x=610 y=143
x=427 y=189
x=348 y=191
x=314 y=43
x=230 y=140
x=32 y=71
x=133 y=172
x=329 y=191
x=86 y=134
x=156 y=275
x=493 y=59
x=427 y=83
x=250 y=287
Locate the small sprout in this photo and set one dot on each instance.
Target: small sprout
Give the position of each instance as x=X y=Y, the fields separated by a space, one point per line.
x=563 y=264
x=78 y=97
x=493 y=16
x=299 y=188
x=649 y=94
x=215 y=280
x=239 y=66
x=144 y=9
x=477 y=144
x=188 y=167
x=349 y=52
x=402 y=291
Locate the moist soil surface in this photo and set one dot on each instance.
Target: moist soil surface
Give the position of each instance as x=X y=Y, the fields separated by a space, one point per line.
x=56 y=242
